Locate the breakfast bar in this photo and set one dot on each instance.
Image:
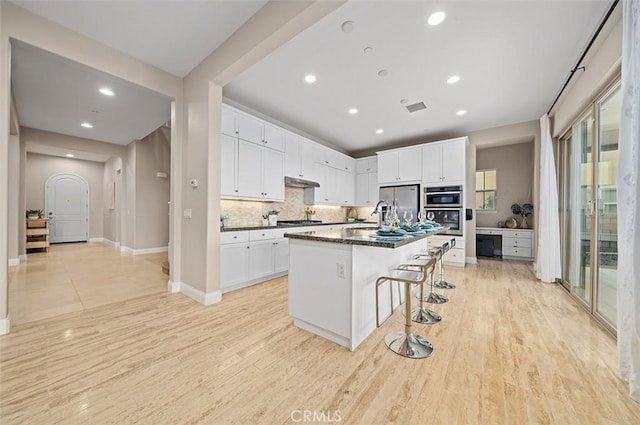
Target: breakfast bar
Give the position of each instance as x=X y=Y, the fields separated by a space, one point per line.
x=332 y=276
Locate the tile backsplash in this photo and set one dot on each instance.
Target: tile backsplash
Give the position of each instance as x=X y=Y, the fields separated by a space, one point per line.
x=249 y=213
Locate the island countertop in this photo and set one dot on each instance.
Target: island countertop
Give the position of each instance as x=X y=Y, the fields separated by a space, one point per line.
x=362 y=236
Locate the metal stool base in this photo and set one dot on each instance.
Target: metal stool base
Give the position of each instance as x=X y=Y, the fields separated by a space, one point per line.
x=433 y=298
x=424 y=315
x=409 y=345
x=443 y=284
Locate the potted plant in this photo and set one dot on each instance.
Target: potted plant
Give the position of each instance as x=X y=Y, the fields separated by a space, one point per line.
x=273 y=217
x=34 y=214
x=524 y=211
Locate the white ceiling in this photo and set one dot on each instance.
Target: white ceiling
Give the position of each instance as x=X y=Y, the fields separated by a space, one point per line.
x=512 y=57
x=173 y=35
x=56 y=94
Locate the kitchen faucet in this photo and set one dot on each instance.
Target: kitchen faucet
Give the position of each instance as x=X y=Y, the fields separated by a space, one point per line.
x=377 y=207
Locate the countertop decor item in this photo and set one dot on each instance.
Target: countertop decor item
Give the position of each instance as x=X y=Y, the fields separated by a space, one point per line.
x=352 y=215
x=309 y=213
x=224 y=220
x=524 y=211
x=511 y=223
x=273 y=217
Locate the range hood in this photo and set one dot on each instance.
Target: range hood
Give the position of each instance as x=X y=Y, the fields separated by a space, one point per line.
x=296 y=182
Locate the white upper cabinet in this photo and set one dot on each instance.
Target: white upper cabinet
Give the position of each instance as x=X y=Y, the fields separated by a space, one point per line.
x=251 y=129
x=229 y=166
x=399 y=166
x=298 y=157
x=444 y=162
x=260 y=172
x=367 y=165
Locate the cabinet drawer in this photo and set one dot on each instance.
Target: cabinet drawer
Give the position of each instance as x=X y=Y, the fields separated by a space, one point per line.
x=233 y=237
x=516 y=242
x=259 y=235
x=455 y=256
x=480 y=231
x=516 y=234
x=510 y=251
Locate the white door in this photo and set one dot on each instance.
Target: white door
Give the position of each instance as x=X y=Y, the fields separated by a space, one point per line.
x=67 y=207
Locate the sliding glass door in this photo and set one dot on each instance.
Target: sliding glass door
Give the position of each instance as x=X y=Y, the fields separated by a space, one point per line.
x=588 y=206
x=607 y=218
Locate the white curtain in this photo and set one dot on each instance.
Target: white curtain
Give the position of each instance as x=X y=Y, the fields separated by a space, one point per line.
x=548 y=266
x=628 y=208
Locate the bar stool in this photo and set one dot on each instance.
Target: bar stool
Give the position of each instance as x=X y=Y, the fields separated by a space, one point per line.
x=405 y=343
x=421 y=314
x=432 y=297
x=441 y=283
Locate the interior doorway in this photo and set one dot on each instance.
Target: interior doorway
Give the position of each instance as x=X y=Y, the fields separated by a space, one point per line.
x=67 y=208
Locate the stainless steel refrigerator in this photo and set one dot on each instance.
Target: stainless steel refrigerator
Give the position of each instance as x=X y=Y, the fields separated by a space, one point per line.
x=406 y=198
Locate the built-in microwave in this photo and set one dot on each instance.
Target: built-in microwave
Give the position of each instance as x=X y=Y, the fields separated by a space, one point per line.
x=443 y=197
x=453 y=218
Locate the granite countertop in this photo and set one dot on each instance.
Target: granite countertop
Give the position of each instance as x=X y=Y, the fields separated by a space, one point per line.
x=291 y=226
x=360 y=237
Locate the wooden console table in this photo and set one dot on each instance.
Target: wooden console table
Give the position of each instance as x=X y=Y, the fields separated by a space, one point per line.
x=38 y=234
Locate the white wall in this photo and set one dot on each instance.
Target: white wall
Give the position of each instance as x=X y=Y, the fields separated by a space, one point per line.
x=153 y=154
x=16 y=215
x=112 y=176
x=41 y=167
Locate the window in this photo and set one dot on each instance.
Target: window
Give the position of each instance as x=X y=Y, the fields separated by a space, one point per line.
x=486 y=190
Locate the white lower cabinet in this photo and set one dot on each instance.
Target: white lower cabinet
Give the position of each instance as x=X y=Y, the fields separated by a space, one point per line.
x=253 y=256
x=455 y=256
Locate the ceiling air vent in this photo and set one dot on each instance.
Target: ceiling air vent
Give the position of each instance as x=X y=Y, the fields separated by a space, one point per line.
x=416 y=107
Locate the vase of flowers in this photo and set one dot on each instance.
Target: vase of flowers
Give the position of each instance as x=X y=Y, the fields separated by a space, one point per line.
x=309 y=213
x=524 y=211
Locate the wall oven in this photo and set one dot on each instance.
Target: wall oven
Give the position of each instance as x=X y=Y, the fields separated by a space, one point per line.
x=443 y=197
x=453 y=218
x=446 y=203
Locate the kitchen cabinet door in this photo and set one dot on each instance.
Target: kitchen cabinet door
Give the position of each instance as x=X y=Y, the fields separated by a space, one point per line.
x=229 y=122
x=366 y=165
x=272 y=165
x=410 y=165
x=229 y=166
x=362 y=189
x=234 y=264
x=249 y=170
x=281 y=255
x=344 y=188
x=261 y=259
x=388 y=167
x=305 y=153
x=432 y=163
x=453 y=161
x=292 y=156
x=374 y=192
x=249 y=128
x=273 y=138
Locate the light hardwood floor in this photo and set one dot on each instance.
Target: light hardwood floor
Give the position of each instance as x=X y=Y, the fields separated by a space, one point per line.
x=510 y=350
x=77 y=276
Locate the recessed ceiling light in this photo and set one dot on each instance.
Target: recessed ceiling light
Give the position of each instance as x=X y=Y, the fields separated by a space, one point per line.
x=353 y=111
x=348 y=26
x=403 y=101
x=379 y=131
x=461 y=112
x=436 y=18
x=70 y=155
x=453 y=79
x=105 y=91
x=310 y=78
x=86 y=125
x=383 y=73
x=368 y=49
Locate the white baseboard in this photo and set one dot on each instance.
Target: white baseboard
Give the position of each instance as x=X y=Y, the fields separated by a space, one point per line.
x=173 y=287
x=126 y=249
x=199 y=296
x=155 y=250
x=471 y=260
x=23 y=258
x=5 y=326
x=95 y=240
x=14 y=262
x=110 y=243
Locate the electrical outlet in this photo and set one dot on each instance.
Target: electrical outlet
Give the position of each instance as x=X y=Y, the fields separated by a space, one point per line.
x=341 y=267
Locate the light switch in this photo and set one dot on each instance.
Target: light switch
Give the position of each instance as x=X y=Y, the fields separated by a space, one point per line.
x=186 y=213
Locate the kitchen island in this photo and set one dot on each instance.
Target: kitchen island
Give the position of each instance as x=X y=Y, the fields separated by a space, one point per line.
x=332 y=276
